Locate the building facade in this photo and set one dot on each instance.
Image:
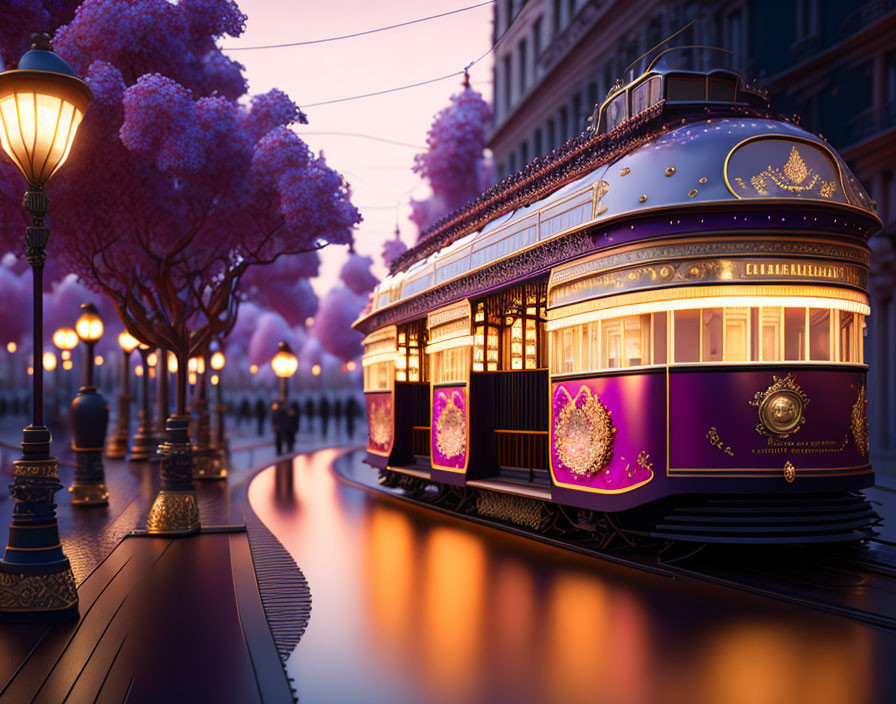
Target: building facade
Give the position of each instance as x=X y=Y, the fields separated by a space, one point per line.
x=832 y=62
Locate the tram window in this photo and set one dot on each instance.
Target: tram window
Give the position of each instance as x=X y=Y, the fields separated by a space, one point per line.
x=594 y=344
x=687 y=336
x=616 y=110
x=848 y=337
x=660 y=337
x=637 y=340
x=712 y=334
x=612 y=343
x=570 y=350
x=376 y=376
x=450 y=365
x=721 y=90
x=646 y=94
x=819 y=334
x=770 y=324
x=685 y=88
x=795 y=334
x=736 y=334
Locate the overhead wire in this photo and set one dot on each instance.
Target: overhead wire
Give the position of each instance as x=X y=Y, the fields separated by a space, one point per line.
x=358 y=34
x=364 y=136
x=464 y=72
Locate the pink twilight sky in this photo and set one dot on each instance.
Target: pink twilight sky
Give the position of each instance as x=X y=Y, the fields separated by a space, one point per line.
x=379 y=173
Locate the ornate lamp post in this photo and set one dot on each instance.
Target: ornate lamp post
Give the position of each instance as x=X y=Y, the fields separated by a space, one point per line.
x=41 y=106
x=204 y=455
x=144 y=447
x=285 y=364
x=216 y=362
x=66 y=339
x=117 y=447
x=90 y=418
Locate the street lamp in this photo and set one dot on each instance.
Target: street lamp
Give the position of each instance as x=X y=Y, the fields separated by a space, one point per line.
x=89 y=418
x=222 y=451
x=285 y=364
x=117 y=447
x=42 y=103
x=144 y=447
x=66 y=339
x=205 y=464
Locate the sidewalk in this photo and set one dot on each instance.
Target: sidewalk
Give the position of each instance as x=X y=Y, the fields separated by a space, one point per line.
x=161 y=619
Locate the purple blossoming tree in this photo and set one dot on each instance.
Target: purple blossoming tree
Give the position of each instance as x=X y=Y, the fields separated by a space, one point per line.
x=453 y=160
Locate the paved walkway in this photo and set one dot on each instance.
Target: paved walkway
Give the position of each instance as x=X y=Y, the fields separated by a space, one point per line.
x=160 y=619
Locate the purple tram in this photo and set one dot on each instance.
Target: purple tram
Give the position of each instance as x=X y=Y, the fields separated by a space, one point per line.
x=661 y=322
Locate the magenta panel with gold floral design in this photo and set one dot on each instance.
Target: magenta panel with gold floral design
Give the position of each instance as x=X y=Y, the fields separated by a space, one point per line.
x=449 y=427
x=602 y=438
x=380 y=429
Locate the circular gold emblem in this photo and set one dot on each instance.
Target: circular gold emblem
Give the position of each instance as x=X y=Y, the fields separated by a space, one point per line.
x=780 y=407
x=781 y=411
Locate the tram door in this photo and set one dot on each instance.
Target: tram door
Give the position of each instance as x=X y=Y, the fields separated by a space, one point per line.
x=412 y=411
x=509 y=384
x=449 y=352
x=379 y=372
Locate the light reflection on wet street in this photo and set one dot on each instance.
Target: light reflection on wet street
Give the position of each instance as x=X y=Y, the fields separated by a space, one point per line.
x=409 y=605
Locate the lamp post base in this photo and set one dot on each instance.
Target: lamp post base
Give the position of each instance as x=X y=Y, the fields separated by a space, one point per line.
x=117 y=446
x=43 y=593
x=145 y=446
x=208 y=463
x=36 y=580
x=175 y=510
x=89 y=494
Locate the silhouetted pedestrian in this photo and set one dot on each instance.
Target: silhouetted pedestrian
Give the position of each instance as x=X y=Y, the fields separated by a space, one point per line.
x=297 y=415
x=309 y=413
x=337 y=415
x=323 y=410
x=244 y=413
x=291 y=421
x=351 y=412
x=260 y=412
x=279 y=423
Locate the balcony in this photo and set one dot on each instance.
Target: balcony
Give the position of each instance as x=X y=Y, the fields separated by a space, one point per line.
x=868 y=14
x=871 y=122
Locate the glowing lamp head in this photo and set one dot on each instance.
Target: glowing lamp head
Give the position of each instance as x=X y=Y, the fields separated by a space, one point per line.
x=196 y=365
x=49 y=361
x=217 y=361
x=42 y=103
x=284 y=363
x=98 y=360
x=172 y=364
x=253 y=369
x=351 y=366
x=127 y=341
x=67 y=365
x=11 y=347
x=89 y=326
x=315 y=370
x=152 y=359
x=65 y=339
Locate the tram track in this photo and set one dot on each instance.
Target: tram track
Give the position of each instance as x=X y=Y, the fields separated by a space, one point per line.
x=857 y=582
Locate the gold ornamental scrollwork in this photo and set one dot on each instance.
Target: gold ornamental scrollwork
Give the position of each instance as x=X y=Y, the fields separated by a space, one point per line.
x=41 y=592
x=584 y=433
x=451 y=430
x=780 y=408
x=859 y=416
x=789 y=472
x=381 y=423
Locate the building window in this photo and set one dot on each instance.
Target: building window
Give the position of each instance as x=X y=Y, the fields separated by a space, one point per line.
x=577 y=114
x=806 y=18
x=537 y=146
x=536 y=39
x=512 y=162
x=564 y=124
x=556 y=17
x=524 y=154
x=734 y=35
x=508 y=12
x=571 y=10
x=552 y=134
x=508 y=81
x=523 y=54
